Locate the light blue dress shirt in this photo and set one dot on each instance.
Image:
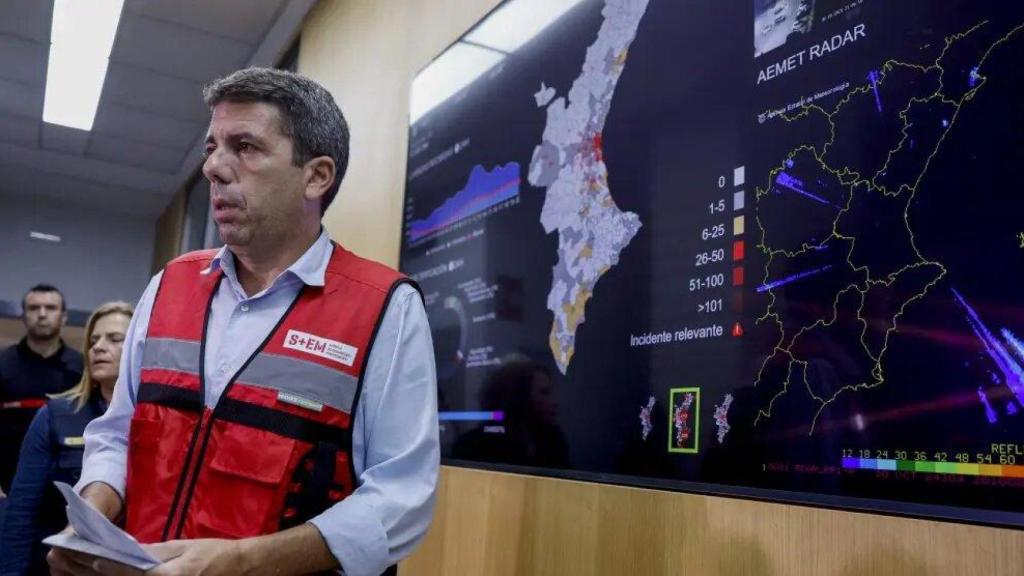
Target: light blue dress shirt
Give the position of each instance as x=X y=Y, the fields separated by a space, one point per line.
x=394 y=436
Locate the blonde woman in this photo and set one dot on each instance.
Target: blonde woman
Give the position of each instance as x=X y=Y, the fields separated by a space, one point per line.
x=53 y=446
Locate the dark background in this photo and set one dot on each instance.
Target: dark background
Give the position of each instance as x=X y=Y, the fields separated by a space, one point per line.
x=683 y=114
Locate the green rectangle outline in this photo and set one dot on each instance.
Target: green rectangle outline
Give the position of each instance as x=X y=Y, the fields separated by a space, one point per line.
x=696 y=412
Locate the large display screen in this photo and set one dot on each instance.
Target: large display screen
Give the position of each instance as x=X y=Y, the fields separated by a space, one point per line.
x=772 y=249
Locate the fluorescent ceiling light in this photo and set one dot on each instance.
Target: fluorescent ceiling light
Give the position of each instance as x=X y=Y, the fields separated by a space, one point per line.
x=516 y=23
x=501 y=33
x=73 y=87
x=44 y=236
x=453 y=70
x=81 y=37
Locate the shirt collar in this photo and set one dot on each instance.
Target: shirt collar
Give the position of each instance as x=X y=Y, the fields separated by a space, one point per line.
x=310 y=268
x=25 y=350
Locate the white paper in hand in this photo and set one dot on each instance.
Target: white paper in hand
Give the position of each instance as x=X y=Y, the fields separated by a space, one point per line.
x=75 y=542
x=101 y=537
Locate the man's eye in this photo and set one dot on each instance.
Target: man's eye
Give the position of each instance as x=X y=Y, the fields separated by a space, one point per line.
x=245 y=147
x=208 y=151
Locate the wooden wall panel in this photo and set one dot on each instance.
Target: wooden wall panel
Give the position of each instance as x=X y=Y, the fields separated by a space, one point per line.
x=13 y=329
x=169 y=228
x=366 y=52
x=504 y=524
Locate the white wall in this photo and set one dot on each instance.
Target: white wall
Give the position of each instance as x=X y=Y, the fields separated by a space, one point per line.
x=102 y=255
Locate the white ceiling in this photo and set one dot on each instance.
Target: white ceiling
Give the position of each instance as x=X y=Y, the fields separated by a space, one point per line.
x=145 y=142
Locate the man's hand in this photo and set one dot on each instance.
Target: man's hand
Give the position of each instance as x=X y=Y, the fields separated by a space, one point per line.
x=179 y=557
x=207 y=557
x=298 y=550
x=103 y=498
x=65 y=562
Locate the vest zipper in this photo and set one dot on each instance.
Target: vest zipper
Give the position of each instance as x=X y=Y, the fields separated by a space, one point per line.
x=196 y=468
x=204 y=416
x=204 y=420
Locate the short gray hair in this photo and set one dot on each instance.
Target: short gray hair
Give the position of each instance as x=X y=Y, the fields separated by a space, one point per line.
x=310 y=116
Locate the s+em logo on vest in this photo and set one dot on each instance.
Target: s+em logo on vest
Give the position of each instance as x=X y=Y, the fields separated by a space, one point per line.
x=322 y=347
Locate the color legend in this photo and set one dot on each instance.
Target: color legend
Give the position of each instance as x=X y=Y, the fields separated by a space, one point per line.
x=1000 y=470
x=470 y=416
x=738 y=246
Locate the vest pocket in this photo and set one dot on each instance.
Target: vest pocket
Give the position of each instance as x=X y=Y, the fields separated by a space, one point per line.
x=143 y=447
x=243 y=490
x=144 y=432
x=146 y=513
x=157 y=442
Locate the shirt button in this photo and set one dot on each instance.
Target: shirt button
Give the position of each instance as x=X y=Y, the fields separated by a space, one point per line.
x=223 y=369
x=245 y=307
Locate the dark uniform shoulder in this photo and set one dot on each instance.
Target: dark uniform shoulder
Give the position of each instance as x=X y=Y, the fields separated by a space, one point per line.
x=73 y=359
x=60 y=406
x=9 y=353
x=8 y=364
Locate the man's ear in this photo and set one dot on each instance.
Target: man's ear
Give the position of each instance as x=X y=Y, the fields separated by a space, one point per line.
x=319 y=176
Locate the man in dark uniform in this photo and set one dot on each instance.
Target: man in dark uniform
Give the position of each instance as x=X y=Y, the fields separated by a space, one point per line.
x=38 y=365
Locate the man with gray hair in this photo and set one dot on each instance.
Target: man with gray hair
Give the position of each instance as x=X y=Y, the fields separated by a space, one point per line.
x=276 y=408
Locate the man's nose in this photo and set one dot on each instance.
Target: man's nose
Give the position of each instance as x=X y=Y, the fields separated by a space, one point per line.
x=216 y=168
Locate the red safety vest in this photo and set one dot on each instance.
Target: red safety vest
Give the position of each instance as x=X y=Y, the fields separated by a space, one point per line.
x=277 y=448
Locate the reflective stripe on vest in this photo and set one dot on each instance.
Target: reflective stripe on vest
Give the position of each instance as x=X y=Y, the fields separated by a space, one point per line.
x=171 y=354
x=276 y=449
x=293 y=378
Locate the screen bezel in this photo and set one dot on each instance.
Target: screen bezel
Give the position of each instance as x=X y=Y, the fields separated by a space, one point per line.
x=883 y=507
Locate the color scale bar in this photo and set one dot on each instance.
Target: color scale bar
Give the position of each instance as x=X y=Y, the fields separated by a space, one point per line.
x=934 y=467
x=471 y=416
